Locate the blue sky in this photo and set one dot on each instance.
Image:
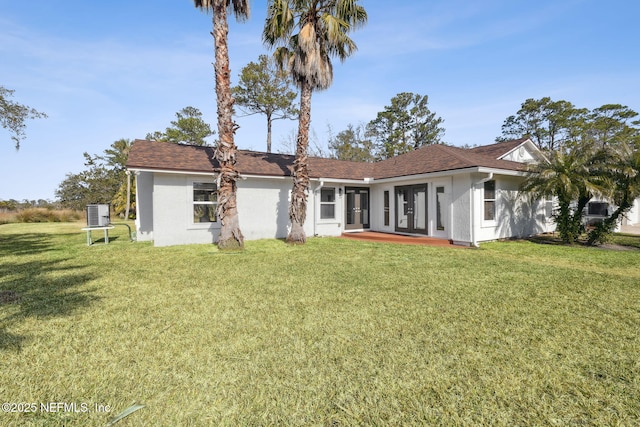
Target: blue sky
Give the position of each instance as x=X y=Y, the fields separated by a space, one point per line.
x=120 y=69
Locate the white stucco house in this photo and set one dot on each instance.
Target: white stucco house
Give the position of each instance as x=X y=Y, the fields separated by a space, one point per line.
x=466 y=196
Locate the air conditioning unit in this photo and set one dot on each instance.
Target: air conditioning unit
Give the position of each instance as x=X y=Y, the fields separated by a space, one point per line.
x=98 y=215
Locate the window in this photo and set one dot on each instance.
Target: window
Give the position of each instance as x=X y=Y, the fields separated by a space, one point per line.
x=548 y=206
x=490 y=200
x=439 y=203
x=386 y=207
x=328 y=203
x=598 y=209
x=205 y=202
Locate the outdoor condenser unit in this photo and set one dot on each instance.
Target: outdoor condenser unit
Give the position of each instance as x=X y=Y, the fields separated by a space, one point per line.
x=98 y=215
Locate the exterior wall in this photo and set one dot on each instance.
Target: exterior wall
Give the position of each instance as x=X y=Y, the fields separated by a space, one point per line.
x=173 y=212
x=330 y=226
x=633 y=217
x=144 y=206
x=515 y=214
x=461 y=221
x=377 y=208
x=263 y=208
x=446 y=210
x=165 y=209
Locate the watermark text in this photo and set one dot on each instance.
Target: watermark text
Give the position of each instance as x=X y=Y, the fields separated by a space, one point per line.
x=52 y=407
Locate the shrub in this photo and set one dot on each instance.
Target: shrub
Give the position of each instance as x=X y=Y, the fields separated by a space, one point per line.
x=47 y=215
x=7 y=217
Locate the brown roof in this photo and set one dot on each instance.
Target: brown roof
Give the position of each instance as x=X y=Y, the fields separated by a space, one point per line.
x=341 y=169
x=438 y=158
x=167 y=156
x=498 y=149
x=427 y=159
x=191 y=158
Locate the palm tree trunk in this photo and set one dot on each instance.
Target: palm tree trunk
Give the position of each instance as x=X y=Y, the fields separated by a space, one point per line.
x=563 y=220
x=230 y=234
x=298 y=206
x=577 y=216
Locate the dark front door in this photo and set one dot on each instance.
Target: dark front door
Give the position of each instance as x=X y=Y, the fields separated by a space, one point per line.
x=357 y=208
x=411 y=208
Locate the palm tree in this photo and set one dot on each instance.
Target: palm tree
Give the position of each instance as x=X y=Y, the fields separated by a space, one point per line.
x=621 y=170
x=322 y=32
x=573 y=180
x=225 y=152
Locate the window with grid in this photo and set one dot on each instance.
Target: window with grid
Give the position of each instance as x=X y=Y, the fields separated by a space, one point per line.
x=205 y=202
x=490 y=200
x=328 y=203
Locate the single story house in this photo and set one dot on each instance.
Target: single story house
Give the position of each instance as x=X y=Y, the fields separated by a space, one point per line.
x=463 y=195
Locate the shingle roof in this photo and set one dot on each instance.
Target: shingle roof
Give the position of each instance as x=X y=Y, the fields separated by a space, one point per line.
x=438 y=158
x=498 y=149
x=191 y=158
x=432 y=158
x=172 y=157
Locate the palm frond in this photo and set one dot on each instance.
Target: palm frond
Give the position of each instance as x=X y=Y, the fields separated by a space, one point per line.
x=204 y=5
x=240 y=8
x=352 y=13
x=279 y=24
x=339 y=44
x=323 y=27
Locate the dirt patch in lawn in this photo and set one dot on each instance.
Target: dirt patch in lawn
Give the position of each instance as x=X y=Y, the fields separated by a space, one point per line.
x=9 y=297
x=549 y=239
x=615 y=247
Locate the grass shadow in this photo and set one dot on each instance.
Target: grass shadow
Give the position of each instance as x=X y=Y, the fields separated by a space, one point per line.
x=37 y=287
x=100 y=240
x=547 y=239
x=24 y=244
x=10 y=341
x=617 y=241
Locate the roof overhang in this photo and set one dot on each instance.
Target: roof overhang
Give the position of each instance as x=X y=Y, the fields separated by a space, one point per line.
x=364 y=181
x=496 y=171
x=170 y=171
x=442 y=174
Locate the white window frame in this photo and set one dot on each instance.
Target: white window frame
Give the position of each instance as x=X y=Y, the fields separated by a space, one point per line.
x=323 y=203
x=485 y=200
x=386 y=208
x=192 y=203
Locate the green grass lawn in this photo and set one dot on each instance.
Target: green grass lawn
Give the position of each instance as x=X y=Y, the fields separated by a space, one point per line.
x=335 y=332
